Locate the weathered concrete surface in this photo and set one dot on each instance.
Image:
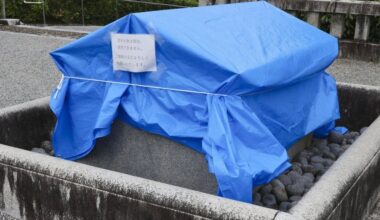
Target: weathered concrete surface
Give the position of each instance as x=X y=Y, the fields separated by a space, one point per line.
x=359 y=105
x=36 y=119
x=359 y=50
x=375 y=212
x=26 y=70
x=36 y=186
x=70 y=28
x=326 y=6
x=139 y=153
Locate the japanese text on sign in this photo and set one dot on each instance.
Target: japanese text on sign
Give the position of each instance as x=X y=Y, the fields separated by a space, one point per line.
x=133 y=52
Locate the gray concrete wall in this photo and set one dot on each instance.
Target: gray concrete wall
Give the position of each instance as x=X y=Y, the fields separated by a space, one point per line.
x=138 y=153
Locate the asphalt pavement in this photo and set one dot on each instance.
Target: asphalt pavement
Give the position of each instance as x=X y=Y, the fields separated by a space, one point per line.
x=26 y=69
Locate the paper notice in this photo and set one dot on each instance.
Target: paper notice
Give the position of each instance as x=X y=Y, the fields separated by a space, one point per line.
x=133 y=52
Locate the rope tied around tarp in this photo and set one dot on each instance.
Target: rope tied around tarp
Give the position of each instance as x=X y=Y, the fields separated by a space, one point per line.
x=132 y=84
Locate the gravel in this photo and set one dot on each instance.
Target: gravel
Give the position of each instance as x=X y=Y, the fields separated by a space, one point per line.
x=355 y=71
x=26 y=70
x=307 y=168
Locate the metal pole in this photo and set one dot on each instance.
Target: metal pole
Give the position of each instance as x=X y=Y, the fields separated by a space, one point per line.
x=116 y=9
x=3 y=9
x=43 y=12
x=81 y=2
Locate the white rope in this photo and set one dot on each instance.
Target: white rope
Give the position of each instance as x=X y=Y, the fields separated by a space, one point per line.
x=133 y=84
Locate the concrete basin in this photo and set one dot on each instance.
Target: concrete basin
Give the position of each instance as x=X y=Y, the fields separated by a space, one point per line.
x=116 y=181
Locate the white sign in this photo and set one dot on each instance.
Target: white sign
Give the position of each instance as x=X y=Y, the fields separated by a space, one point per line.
x=133 y=52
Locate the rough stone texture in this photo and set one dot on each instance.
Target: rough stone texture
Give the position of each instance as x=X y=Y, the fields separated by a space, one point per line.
x=138 y=153
x=362 y=27
x=359 y=50
x=361 y=99
x=375 y=213
x=337 y=25
x=26 y=117
x=26 y=70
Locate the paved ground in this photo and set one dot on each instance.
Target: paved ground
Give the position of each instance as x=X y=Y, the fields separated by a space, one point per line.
x=26 y=70
x=358 y=72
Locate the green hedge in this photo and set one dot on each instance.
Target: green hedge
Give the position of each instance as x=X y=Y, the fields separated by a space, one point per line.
x=96 y=12
x=101 y=12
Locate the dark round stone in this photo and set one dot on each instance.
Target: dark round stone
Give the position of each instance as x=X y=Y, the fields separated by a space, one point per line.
x=335 y=137
x=295 y=198
x=328 y=154
x=284 y=206
x=328 y=163
x=266 y=189
x=277 y=183
x=46 y=145
x=320 y=143
x=306 y=154
x=297 y=168
x=303 y=161
x=257 y=197
x=316 y=159
x=269 y=201
x=308 y=187
x=350 y=141
x=316 y=152
x=333 y=145
x=285 y=179
x=295 y=189
x=318 y=166
x=294 y=176
x=351 y=135
x=309 y=169
x=336 y=149
x=280 y=194
x=310 y=177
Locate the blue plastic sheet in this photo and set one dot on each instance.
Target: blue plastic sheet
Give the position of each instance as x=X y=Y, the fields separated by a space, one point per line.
x=260 y=71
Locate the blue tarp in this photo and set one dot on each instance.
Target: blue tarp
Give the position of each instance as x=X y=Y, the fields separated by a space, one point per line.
x=239 y=83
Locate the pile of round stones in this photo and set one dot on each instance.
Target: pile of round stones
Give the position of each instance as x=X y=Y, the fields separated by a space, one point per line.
x=307 y=168
x=46 y=148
